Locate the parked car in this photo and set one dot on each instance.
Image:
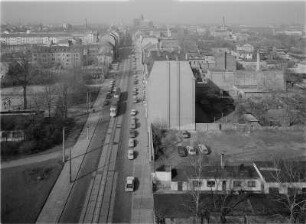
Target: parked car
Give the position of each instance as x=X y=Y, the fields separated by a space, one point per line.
x=186 y=134
x=133 y=112
x=130 y=182
x=132 y=134
x=130 y=154
x=135 y=99
x=191 y=150
x=131 y=142
x=203 y=149
x=108 y=96
x=133 y=123
x=182 y=151
x=105 y=103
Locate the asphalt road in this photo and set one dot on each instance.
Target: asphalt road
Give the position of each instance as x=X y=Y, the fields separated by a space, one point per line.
x=75 y=203
x=124 y=167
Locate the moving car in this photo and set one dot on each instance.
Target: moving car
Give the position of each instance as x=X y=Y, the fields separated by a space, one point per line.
x=182 y=151
x=131 y=142
x=191 y=150
x=130 y=182
x=130 y=154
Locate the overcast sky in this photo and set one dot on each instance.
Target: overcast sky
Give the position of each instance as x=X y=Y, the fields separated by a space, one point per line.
x=248 y=13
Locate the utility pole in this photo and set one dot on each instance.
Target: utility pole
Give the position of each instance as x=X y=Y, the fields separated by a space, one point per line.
x=64 y=145
x=70 y=158
x=87 y=132
x=87 y=100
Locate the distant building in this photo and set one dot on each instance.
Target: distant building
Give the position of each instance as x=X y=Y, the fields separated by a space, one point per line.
x=169 y=45
x=171 y=95
x=225 y=61
x=67 y=57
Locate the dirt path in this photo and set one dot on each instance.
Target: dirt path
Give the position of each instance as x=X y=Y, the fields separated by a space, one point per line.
x=33 y=159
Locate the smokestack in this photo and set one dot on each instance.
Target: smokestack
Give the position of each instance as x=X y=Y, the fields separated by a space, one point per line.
x=223 y=23
x=258 y=61
x=225 y=62
x=222 y=162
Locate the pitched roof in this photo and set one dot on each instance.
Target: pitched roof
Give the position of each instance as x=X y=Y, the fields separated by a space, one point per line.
x=282 y=171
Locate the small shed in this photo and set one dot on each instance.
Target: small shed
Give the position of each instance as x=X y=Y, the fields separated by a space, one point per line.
x=250 y=120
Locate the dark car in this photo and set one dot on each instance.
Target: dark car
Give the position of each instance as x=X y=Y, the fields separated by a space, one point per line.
x=182 y=151
x=108 y=96
x=186 y=134
x=132 y=134
x=105 y=103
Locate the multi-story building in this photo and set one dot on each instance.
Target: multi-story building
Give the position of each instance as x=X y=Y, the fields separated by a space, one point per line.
x=171 y=95
x=45 y=38
x=67 y=57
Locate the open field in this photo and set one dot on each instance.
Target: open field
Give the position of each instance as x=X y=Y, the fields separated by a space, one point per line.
x=238 y=148
x=24 y=190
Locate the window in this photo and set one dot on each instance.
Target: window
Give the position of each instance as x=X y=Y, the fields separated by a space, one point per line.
x=237 y=183
x=273 y=190
x=251 y=183
x=211 y=183
x=196 y=183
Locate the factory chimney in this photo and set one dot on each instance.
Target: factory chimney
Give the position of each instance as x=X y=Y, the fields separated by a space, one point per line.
x=223 y=23
x=222 y=161
x=225 y=62
x=258 y=61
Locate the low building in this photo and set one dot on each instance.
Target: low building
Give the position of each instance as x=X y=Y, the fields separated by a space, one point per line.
x=282 y=177
x=210 y=178
x=250 y=120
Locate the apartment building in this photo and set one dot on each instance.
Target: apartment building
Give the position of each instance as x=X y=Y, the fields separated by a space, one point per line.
x=66 y=57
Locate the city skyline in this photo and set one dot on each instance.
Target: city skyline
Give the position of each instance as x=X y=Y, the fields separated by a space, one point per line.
x=169 y=11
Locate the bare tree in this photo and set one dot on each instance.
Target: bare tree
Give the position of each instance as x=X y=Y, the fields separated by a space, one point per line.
x=49 y=97
x=63 y=99
x=289 y=175
x=23 y=63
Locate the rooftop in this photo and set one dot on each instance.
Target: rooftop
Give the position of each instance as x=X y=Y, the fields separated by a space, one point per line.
x=241 y=172
x=282 y=171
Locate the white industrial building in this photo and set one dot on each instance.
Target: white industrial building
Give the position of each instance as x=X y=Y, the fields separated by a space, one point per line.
x=171 y=95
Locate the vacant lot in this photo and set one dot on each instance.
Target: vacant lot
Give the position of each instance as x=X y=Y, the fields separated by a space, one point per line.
x=239 y=148
x=24 y=190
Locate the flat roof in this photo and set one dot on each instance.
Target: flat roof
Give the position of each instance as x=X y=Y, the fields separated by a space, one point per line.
x=242 y=172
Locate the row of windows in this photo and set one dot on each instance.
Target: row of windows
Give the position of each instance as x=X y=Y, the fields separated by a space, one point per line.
x=58 y=55
x=212 y=183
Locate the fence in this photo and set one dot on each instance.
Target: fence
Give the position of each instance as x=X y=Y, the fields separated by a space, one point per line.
x=241 y=127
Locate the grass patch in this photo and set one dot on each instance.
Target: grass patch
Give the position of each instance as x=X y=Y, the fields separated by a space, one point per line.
x=24 y=190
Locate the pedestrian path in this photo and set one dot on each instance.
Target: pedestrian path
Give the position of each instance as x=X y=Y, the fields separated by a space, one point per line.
x=56 y=201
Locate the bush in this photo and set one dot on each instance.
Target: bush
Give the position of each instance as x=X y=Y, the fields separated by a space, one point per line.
x=9 y=148
x=27 y=147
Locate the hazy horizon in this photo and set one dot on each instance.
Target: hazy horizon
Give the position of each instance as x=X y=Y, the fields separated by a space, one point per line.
x=160 y=11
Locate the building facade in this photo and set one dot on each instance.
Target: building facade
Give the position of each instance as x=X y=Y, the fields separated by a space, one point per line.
x=171 y=95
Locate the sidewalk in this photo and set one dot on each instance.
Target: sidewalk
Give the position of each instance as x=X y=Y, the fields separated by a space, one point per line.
x=56 y=201
x=30 y=160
